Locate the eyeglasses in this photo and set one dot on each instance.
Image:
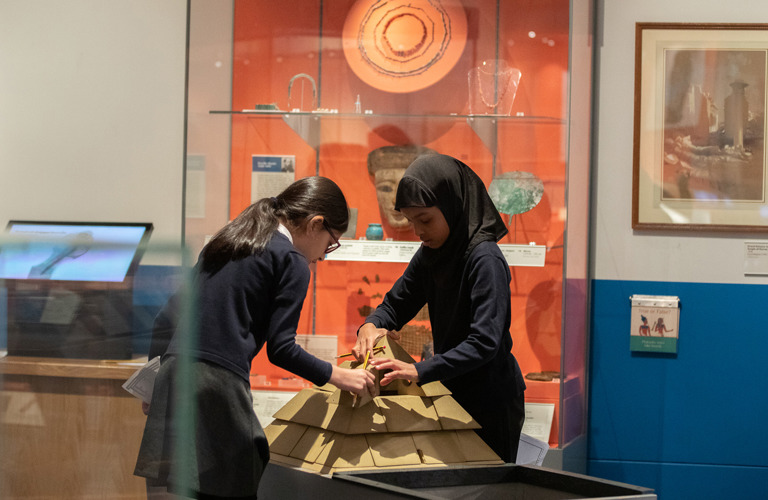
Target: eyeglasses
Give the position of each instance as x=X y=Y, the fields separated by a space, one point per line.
x=336 y=244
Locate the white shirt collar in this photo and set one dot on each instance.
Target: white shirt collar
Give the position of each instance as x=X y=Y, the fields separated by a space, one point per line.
x=284 y=230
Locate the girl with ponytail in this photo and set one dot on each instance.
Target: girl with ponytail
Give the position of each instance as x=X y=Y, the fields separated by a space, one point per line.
x=250 y=283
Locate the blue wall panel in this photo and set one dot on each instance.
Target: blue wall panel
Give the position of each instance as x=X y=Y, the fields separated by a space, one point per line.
x=704 y=406
x=688 y=481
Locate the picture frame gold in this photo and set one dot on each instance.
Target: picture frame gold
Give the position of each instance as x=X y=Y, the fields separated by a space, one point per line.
x=699 y=157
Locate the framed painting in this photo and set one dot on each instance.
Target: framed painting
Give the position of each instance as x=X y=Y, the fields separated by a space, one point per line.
x=699 y=130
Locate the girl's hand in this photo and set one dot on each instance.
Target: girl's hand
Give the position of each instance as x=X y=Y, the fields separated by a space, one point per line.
x=359 y=381
x=398 y=370
x=367 y=336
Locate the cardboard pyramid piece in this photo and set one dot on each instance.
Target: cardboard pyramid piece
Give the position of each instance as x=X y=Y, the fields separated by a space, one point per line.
x=324 y=429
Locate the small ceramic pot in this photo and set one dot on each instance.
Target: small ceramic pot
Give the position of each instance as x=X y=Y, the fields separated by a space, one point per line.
x=374 y=232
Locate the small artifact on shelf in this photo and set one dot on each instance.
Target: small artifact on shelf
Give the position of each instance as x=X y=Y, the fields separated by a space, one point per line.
x=515 y=193
x=297 y=104
x=266 y=107
x=545 y=376
x=493 y=87
x=326 y=110
x=374 y=232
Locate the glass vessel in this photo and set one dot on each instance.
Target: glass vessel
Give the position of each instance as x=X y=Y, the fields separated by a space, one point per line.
x=374 y=232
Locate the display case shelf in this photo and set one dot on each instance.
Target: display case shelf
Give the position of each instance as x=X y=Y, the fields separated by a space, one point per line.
x=306 y=124
x=390 y=116
x=363 y=250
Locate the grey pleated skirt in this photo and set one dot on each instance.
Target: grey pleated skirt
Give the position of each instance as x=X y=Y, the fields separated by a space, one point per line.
x=202 y=435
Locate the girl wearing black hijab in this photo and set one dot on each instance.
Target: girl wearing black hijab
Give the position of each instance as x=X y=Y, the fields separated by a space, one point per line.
x=461 y=274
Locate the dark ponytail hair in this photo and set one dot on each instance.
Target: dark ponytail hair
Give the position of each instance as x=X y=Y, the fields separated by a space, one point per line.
x=252 y=229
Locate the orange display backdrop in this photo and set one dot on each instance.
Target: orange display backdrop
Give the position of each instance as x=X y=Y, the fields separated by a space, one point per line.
x=276 y=41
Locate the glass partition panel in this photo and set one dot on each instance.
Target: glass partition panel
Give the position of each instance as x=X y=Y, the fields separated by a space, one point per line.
x=75 y=333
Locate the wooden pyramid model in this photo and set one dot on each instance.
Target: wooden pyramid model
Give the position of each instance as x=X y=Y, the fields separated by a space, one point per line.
x=325 y=429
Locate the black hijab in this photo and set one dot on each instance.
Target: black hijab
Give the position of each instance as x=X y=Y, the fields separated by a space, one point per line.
x=446 y=183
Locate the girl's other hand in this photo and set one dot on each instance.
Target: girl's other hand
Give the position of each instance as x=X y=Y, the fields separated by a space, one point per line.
x=397 y=370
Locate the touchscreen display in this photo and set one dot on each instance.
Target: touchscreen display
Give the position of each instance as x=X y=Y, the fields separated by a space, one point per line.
x=72 y=251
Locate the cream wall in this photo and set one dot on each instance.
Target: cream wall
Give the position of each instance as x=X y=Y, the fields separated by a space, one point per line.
x=92 y=111
x=618 y=253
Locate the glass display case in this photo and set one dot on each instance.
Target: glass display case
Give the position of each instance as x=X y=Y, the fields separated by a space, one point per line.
x=353 y=90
